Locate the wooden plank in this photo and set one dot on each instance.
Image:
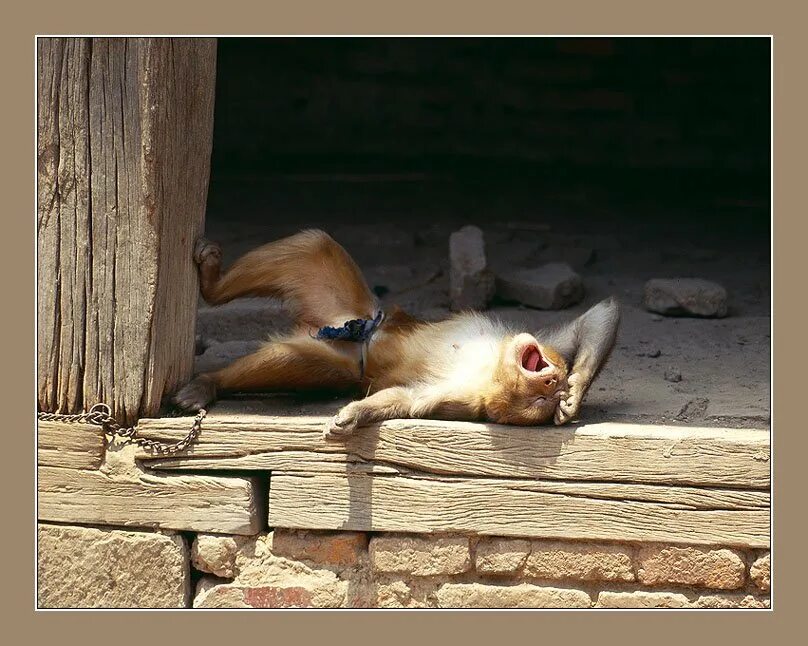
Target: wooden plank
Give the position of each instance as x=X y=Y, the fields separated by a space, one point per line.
x=77 y=446
x=125 y=132
x=188 y=503
x=515 y=508
x=287 y=461
x=256 y=435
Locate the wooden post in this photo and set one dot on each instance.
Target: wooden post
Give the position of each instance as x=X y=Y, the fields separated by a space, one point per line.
x=125 y=128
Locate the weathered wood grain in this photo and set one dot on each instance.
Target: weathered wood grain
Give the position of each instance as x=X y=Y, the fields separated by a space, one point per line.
x=517 y=508
x=124 y=140
x=189 y=503
x=247 y=436
x=76 y=446
x=287 y=461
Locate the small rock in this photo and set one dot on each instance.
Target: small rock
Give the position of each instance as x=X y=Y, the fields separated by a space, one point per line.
x=685 y=297
x=550 y=287
x=656 y=318
x=216 y=554
x=673 y=376
x=760 y=572
x=471 y=283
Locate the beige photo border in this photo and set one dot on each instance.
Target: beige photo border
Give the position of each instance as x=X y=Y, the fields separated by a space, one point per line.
x=782 y=20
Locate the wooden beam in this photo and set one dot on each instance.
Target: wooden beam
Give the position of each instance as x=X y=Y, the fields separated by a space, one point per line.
x=273 y=436
x=124 y=140
x=187 y=503
x=586 y=511
x=77 y=446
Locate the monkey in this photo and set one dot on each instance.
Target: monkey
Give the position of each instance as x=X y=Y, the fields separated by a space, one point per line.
x=470 y=366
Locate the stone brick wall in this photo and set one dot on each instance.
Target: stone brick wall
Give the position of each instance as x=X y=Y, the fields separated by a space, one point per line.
x=92 y=567
x=288 y=568
x=214 y=532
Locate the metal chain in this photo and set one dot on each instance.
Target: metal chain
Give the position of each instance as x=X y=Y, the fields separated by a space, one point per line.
x=101 y=415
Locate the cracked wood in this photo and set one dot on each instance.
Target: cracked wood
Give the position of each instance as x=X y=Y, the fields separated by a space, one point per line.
x=196 y=503
x=123 y=158
x=516 y=508
x=77 y=446
x=280 y=434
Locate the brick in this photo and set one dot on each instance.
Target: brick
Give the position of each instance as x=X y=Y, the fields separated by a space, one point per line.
x=641 y=599
x=231 y=595
x=396 y=594
x=552 y=286
x=739 y=600
x=338 y=549
x=212 y=593
x=723 y=569
x=582 y=561
x=216 y=554
x=420 y=556
x=501 y=556
x=760 y=572
x=524 y=595
x=85 y=567
x=268 y=581
x=471 y=283
x=685 y=297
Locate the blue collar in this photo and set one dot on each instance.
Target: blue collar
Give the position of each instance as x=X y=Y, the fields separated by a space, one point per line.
x=356 y=330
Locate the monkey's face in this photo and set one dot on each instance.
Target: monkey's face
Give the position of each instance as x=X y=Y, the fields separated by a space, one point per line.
x=529 y=380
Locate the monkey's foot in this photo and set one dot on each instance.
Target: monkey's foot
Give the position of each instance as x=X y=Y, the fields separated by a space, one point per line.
x=342 y=424
x=569 y=406
x=567 y=409
x=197 y=394
x=207 y=252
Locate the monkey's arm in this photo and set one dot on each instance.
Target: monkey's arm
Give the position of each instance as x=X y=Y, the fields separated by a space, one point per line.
x=400 y=402
x=585 y=343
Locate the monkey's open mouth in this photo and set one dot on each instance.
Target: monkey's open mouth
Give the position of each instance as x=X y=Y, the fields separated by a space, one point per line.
x=532 y=359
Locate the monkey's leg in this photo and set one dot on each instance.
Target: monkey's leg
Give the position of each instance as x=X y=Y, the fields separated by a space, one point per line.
x=294 y=363
x=593 y=335
x=315 y=277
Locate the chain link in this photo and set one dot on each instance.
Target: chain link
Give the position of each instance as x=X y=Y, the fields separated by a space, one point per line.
x=101 y=415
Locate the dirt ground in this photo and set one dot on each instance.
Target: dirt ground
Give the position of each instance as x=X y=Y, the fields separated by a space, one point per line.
x=397 y=228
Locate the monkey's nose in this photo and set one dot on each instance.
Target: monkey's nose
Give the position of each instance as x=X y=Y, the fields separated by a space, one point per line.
x=550 y=382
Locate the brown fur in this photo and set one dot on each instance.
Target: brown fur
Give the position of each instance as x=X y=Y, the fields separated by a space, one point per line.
x=467 y=367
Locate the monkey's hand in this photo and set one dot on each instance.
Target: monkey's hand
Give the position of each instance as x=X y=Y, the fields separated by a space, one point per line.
x=344 y=423
x=385 y=404
x=569 y=406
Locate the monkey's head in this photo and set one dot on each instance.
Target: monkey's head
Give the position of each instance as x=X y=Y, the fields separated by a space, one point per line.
x=529 y=380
